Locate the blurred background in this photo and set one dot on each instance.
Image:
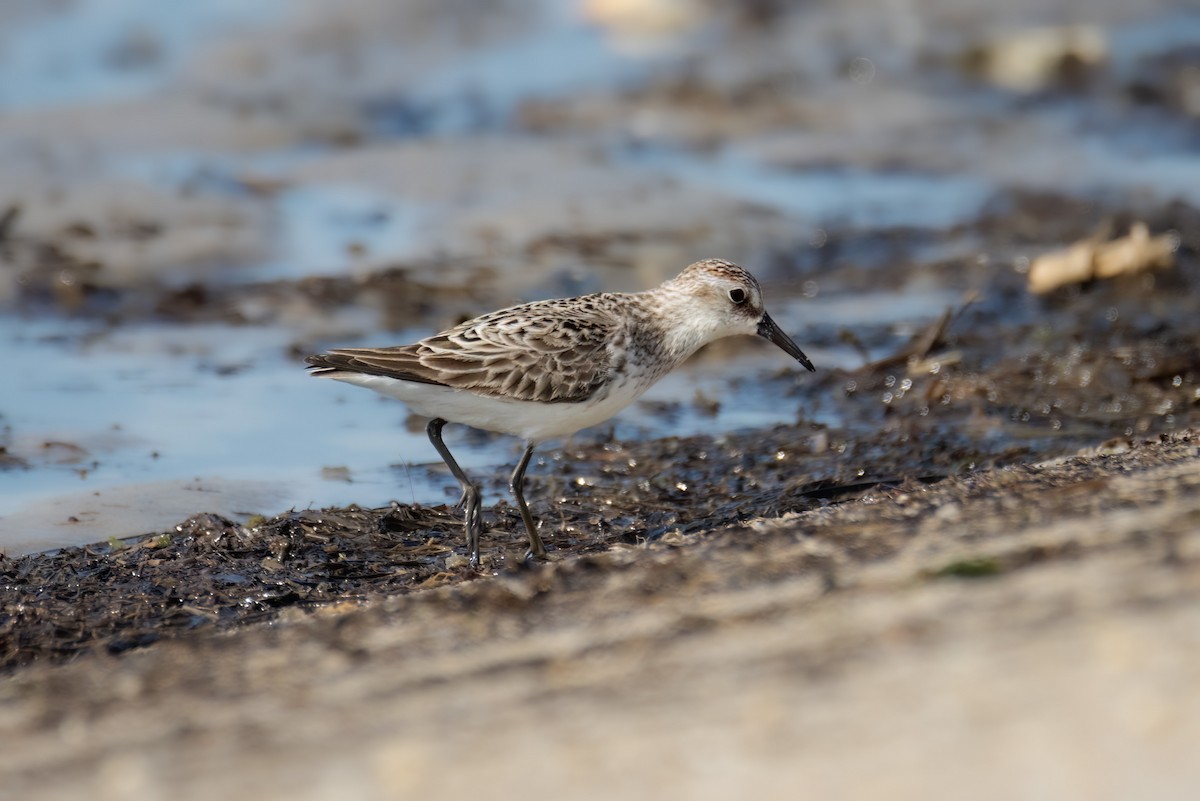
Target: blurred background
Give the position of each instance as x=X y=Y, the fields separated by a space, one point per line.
x=194 y=196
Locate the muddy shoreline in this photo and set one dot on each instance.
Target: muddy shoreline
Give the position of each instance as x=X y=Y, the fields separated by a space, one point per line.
x=999 y=380
x=988 y=594
x=1003 y=378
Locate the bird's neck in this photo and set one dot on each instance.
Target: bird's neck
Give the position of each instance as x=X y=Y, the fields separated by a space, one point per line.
x=670 y=329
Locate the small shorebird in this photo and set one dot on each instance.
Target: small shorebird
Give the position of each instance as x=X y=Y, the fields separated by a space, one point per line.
x=547 y=369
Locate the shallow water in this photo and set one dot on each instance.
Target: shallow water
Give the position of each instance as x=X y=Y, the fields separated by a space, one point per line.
x=91 y=50
x=845 y=197
x=135 y=428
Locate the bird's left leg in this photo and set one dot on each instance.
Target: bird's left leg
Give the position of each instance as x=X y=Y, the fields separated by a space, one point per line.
x=473 y=524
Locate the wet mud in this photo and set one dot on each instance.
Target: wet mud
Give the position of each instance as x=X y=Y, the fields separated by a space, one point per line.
x=1057 y=582
x=1002 y=379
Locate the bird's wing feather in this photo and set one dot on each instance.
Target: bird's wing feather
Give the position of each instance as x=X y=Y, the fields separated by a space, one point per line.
x=548 y=351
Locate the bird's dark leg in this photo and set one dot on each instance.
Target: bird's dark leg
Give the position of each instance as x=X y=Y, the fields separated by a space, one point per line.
x=470 y=497
x=517 y=485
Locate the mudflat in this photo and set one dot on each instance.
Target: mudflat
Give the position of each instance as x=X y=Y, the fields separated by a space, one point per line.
x=1016 y=631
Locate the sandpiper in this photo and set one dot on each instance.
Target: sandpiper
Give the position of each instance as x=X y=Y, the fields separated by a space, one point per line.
x=547 y=369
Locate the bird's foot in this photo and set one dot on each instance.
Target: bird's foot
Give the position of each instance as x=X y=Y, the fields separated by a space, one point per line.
x=532 y=558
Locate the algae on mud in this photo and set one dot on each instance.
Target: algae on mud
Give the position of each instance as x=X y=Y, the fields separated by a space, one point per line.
x=988 y=408
x=1009 y=378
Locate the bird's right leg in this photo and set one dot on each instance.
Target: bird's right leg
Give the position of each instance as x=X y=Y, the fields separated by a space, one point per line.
x=470 y=497
x=536 y=549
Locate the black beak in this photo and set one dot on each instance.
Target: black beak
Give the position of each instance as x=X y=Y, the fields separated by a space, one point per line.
x=768 y=330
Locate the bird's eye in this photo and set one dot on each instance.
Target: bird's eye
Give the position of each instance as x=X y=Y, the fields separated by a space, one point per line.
x=737 y=295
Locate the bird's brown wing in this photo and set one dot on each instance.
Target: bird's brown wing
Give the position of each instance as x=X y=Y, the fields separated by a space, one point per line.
x=551 y=351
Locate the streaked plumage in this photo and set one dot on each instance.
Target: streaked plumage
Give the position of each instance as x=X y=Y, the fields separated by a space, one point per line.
x=548 y=369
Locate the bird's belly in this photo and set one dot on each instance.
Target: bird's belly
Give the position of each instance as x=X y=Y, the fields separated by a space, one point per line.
x=531 y=420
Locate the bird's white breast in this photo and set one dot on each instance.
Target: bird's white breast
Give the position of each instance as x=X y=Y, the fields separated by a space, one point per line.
x=531 y=420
